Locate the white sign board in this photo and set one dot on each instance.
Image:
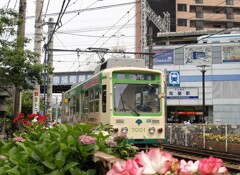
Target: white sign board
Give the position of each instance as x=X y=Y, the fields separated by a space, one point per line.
x=182 y=93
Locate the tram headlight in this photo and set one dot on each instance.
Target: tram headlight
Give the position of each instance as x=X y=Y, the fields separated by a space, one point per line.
x=124 y=130
x=160 y=130
x=151 y=130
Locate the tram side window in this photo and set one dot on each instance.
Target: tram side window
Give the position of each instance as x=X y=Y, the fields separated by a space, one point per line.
x=91 y=101
x=72 y=106
x=104 y=98
x=86 y=100
x=96 y=101
x=67 y=107
x=82 y=103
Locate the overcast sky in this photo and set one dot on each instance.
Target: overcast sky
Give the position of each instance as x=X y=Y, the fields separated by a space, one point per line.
x=86 y=23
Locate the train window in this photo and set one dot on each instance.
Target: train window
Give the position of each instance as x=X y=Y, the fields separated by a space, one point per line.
x=121 y=76
x=96 y=106
x=86 y=100
x=91 y=95
x=136 y=77
x=82 y=103
x=149 y=77
x=72 y=106
x=91 y=103
x=96 y=93
x=136 y=98
x=104 y=98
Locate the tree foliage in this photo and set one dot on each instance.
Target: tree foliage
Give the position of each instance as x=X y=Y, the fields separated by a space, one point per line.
x=18 y=67
x=27 y=104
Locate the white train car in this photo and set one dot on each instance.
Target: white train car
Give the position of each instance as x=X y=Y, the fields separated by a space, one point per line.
x=223 y=38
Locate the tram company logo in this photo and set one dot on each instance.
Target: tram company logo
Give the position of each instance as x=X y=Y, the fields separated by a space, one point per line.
x=139 y=122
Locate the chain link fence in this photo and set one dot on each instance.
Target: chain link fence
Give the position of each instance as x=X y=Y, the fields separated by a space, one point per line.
x=223 y=138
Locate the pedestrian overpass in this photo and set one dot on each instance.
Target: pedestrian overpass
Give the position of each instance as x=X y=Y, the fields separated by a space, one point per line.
x=62 y=81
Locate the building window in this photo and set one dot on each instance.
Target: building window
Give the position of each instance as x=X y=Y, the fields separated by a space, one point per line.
x=229 y=2
x=229 y=13
x=182 y=22
x=182 y=7
x=199 y=12
x=199 y=25
x=217 y=26
x=230 y=25
x=198 y=1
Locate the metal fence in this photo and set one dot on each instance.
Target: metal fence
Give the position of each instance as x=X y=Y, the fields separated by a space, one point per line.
x=224 y=138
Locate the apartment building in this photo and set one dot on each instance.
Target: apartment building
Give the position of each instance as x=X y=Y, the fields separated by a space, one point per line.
x=188 y=16
x=194 y=15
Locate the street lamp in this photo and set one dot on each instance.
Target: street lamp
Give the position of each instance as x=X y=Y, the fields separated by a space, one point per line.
x=203 y=69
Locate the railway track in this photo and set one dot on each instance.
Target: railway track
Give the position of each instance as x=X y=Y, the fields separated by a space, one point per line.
x=230 y=161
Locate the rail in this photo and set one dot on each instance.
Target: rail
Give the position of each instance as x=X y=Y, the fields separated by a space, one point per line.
x=230 y=161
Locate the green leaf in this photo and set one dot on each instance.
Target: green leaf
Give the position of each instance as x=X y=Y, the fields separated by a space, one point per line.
x=49 y=164
x=70 y=165
x=35 y=156
x=64 y=127
x=91 y=172
x=70 y=140
x=2 y=170
x=56 y=172
x=60 y=159
x=14 y=171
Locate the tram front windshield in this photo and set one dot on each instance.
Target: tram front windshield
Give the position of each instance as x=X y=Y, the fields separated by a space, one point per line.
x=137 y=98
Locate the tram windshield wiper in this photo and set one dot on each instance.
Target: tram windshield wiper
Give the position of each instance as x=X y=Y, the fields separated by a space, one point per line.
x=125 y=103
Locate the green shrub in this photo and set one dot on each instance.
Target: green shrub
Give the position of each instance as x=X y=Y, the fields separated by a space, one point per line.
x=61 y=150
x=48 y=151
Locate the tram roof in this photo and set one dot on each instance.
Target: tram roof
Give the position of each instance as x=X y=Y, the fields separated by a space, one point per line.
x=120 y=62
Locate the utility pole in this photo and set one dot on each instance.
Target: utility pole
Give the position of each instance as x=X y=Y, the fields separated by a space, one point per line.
x=20 y=45
x=37 y=49
x=50 y=64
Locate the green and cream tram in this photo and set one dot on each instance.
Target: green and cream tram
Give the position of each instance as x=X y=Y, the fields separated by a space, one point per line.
x=124 y=94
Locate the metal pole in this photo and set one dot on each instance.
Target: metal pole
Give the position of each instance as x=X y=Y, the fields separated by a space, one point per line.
x=44 y=81
x=203 y=70
x=203 y=95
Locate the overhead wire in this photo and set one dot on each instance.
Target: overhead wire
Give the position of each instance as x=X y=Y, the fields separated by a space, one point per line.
x=73 y=18
x=61 y=13
x=89 y=9
x=79 y=12
x=111 y=29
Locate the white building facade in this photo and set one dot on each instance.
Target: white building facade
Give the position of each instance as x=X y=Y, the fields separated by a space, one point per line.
x=185 y=89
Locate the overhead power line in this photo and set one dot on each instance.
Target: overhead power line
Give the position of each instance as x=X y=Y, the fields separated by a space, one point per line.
x=88 y=9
